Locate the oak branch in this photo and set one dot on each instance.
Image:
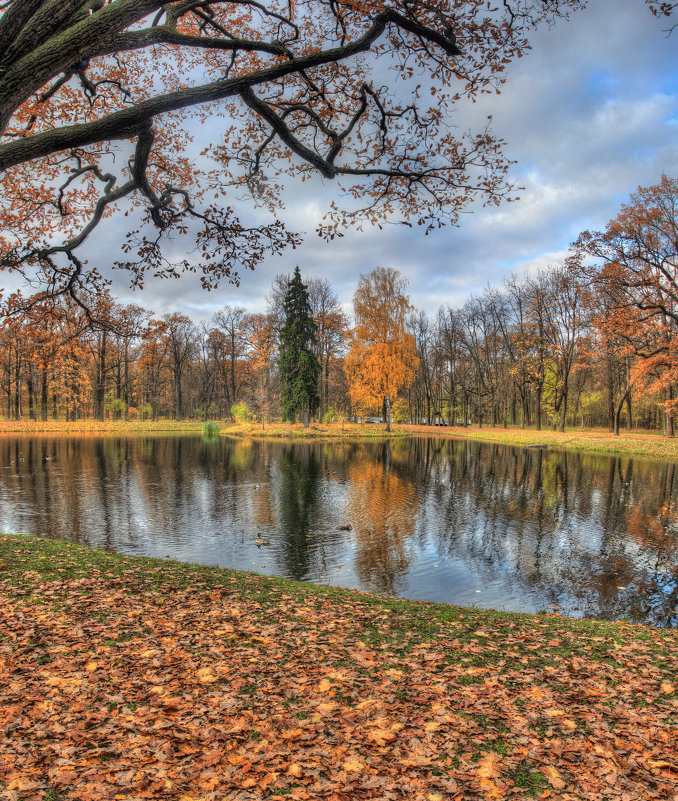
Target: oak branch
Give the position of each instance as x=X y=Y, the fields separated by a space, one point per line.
x=149 y=108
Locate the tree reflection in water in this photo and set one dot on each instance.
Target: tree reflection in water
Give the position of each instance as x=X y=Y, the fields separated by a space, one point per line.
x=383 y=506
x=433 y=519
x=298 y=504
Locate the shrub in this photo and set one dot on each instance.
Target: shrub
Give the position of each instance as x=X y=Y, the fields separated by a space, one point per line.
x=210 y=428
x=400 y=411
x=241 y=413
x=116 y=406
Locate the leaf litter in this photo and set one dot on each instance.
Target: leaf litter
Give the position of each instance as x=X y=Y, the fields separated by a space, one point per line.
x=126 y=678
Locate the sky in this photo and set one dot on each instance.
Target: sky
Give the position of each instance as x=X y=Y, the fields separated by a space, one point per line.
x=589 y=114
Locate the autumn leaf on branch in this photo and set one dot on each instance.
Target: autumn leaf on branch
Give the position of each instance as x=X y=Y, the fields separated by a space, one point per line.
x=149 y=108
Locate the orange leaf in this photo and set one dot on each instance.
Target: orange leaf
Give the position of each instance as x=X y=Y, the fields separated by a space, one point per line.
x=382 y=736
x=554 y=778
x=490 y=789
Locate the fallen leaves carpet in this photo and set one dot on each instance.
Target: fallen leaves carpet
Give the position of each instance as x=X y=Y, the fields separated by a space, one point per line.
x=145 y=681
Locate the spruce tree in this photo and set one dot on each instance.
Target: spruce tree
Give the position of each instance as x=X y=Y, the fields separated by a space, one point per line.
x=298 y=366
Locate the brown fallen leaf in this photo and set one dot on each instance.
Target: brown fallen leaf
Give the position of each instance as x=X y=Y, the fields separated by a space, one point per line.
x=488 y=767
x=490 y=789
x=663 y=765
x=382 y=736
x=554 y=778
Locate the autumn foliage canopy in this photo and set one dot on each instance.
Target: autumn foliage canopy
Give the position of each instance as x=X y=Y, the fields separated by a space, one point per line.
x=635 y=270
x=169 y=112
x=382 y=356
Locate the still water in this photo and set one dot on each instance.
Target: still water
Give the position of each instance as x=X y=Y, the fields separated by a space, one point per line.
x=455 y=521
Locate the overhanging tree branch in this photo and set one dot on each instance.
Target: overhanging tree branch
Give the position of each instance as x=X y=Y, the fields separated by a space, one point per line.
x=80 y=80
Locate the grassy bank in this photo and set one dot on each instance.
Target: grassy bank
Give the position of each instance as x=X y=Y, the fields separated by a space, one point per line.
x=645 y=444
x=133 y=678
x=121 y=428
x=649 y=444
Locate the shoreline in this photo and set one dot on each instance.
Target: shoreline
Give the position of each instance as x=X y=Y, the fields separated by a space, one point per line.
x=642 y=444
x=135 y=678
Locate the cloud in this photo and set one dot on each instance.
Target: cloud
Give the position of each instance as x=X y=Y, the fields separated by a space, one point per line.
x=588 y=115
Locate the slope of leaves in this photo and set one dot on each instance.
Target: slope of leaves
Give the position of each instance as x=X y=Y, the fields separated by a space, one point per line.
x=130 y=678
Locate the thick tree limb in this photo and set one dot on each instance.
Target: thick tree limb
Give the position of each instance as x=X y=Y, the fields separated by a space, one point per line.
x=122 y=124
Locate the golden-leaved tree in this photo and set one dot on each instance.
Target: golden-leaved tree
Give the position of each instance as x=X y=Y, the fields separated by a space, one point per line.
x=166 y=111
x=382 y=358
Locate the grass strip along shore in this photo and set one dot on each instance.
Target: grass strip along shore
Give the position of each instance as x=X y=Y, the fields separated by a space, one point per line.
x=643 y=443
x=130 y=678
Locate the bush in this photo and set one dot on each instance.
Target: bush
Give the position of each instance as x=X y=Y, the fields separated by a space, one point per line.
x=241 y=413
x=400 y=411
x=116 y=406
x=328 y=417
x=146 y=411
x=210 y=428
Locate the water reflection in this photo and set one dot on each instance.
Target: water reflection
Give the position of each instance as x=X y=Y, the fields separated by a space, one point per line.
x=383 y=502
x=298 y=492
x=453 y=521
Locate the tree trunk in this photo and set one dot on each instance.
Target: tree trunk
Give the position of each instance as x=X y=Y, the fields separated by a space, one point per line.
x=100 y=392
x=43 y=402
x=31 y=395
x=126 y=397
x=563 y=413
x=610 y=397
x=17 y=387
x=9 y=382
x=326 y=385
x=538 y=409
x=387 y=404
x=178 y=399
x=629 y=412
x=232 y=370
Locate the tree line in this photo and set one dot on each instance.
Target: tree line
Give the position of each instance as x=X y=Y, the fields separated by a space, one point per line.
x=589 y=342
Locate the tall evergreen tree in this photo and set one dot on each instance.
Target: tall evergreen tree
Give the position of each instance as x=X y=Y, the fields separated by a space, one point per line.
x=298 y=366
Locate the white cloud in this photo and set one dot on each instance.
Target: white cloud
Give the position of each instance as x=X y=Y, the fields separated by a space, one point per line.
x=589 y=115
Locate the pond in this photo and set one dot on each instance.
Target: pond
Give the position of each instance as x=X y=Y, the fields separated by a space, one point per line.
x=455 y=521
